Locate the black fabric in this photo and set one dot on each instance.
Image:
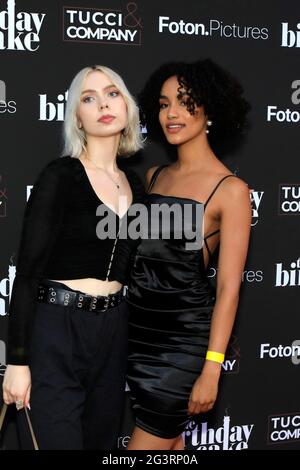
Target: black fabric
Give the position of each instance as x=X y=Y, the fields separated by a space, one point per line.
x=59 y=241
x=78 y=367
x=171 y=302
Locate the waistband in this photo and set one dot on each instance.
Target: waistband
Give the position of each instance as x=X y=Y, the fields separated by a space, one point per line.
x=57 y=293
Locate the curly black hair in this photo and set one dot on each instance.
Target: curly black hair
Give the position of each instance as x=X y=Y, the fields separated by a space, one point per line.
x=206 y=84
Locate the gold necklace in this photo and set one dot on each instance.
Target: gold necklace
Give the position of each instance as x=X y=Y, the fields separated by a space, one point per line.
x=99 y=168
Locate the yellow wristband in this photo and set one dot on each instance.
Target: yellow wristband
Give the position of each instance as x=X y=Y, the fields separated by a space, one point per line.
x=215 y=356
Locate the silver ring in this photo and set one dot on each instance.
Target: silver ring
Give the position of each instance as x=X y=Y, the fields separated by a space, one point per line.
x=19 y=404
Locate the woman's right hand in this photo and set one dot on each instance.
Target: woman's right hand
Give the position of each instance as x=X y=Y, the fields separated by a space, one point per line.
x=17 y=385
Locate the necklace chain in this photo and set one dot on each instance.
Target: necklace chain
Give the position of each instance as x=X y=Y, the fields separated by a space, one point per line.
x=99 y=168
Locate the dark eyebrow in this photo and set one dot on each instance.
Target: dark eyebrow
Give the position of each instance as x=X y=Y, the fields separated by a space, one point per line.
x=179 y=95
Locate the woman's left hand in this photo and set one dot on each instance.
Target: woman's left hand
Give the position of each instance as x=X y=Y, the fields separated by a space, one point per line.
x=204 y=392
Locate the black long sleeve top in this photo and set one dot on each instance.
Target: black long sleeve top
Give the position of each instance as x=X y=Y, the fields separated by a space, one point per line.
x=59 y=241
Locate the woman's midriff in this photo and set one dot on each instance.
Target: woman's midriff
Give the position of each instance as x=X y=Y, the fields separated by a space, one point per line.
x=92 y=286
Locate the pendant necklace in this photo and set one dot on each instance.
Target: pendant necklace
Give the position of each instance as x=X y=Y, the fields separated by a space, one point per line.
x=99 y=168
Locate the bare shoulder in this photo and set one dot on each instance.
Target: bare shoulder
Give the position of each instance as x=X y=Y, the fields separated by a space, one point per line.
x=234 y=198
x=150 y=173
x=235 y=188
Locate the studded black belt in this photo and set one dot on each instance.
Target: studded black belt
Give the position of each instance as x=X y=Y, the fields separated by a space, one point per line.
x=59 y=296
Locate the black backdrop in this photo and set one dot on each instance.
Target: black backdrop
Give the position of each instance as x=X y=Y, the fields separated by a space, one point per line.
x=43 y=45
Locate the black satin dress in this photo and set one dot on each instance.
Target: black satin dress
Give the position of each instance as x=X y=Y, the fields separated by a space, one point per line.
x=171 y=303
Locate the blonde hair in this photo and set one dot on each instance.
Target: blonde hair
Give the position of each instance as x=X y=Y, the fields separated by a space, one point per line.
x=74 y=137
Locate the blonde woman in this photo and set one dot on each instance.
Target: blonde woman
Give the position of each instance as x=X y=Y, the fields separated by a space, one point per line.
x=67 y=344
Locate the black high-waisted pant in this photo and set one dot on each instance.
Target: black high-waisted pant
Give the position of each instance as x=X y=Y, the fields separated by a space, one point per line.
x=78 y=367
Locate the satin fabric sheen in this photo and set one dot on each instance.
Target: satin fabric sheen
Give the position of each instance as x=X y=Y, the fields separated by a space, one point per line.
x=171 y=302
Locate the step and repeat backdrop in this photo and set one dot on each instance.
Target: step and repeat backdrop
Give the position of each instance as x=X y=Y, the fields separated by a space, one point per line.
x=44 y=44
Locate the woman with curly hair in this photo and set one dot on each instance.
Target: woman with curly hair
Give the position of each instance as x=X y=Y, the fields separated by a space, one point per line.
x=179 y=324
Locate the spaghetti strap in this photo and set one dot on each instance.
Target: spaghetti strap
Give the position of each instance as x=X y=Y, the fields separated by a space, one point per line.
x=218 y=230
x=207 y=247
x=212 y=234
x=154 y=177
x=215 y=189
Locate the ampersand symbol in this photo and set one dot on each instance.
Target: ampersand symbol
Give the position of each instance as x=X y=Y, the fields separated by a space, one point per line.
x=134 y=21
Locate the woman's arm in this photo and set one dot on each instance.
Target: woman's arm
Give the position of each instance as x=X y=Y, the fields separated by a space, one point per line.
x=41 y=221
x=42 y=217
x=235 y=212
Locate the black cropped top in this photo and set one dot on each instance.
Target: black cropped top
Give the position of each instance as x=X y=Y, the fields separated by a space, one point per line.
x=59 y=241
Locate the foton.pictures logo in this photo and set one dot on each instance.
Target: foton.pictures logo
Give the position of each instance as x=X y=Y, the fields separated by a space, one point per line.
x=288 y=115
x=103 y=26
x=211 y=28
x=2 y=91
x=290 y=351
x=6 y=106
x=249 y=276
x=19 y=31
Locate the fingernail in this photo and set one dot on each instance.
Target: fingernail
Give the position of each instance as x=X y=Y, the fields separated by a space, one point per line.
x=28 y=406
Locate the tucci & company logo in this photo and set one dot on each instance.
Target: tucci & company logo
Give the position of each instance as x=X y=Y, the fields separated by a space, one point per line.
x=289 y=199
x=103 y=26
x=284 y=428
